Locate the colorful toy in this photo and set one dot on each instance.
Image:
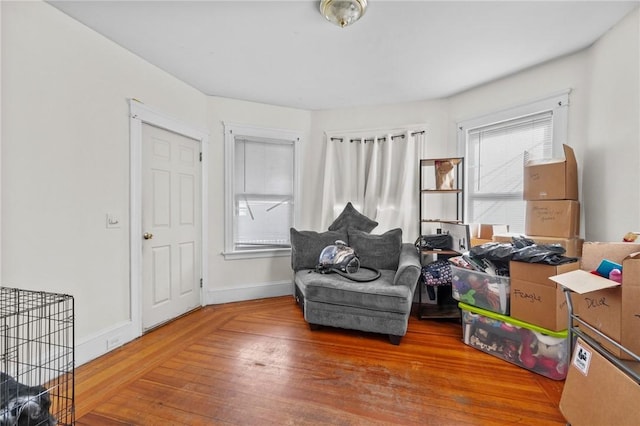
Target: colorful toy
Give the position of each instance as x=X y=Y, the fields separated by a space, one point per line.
x=543 y=354
x=479 y=290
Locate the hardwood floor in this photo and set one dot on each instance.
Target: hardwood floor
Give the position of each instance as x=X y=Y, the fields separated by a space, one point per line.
x=257 y=363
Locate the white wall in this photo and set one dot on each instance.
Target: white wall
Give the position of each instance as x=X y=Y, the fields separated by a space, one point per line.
x=569 y=72
x=65 y=159
x=611 y=160
x=238 y=279
x=603 y=122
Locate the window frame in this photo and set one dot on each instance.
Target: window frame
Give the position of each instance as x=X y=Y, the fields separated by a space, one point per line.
x=557 y=103
x=243 y=131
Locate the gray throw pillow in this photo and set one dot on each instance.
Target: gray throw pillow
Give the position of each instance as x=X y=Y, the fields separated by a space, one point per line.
x=306 y=246
x=350 y=218
x=377 y=251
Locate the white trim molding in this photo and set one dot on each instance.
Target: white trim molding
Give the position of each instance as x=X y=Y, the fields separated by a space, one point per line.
x=141 y=114
x=557 y=102
x=249 y=292
x=231 y=130
x=98 y=344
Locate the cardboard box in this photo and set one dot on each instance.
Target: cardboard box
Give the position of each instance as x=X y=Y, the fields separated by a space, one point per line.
x=485 y=231
x=609 y=307
x=553 y=179
x=595 y=252
x=535 y=298
x=596 y=392
x=526 y=345
x=630 y=314
x=479 y=242
x=553 y=218
x=572 y=246
x=482 y=233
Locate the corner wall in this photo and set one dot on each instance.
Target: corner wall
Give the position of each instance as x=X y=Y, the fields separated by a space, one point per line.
x=611 y=161
x=244 y=279
x=604 y=117
x=65 y=162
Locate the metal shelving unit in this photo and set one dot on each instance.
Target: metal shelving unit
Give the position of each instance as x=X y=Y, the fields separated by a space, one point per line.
x=446 y=306
x=428 y=186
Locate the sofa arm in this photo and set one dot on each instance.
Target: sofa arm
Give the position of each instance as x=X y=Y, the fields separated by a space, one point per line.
x=409 y=267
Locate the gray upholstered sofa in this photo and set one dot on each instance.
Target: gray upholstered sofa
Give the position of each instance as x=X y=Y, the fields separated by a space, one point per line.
x=380 y=306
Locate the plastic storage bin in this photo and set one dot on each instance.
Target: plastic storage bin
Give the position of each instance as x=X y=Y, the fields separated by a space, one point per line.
x=537 y=349
x=479 y=289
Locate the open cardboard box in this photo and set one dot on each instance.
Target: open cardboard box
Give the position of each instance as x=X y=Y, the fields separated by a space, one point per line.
x=609 y=307
x=552 y=179
x=596 y=392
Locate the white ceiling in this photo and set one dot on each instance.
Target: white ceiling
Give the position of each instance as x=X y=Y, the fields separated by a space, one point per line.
x=285 y=53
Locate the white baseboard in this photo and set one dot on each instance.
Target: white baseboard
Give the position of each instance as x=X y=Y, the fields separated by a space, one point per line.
x=105 y=341
x=248 y=292
x=101 y=343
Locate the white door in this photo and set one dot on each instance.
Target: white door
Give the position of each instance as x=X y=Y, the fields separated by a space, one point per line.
x=171 y=225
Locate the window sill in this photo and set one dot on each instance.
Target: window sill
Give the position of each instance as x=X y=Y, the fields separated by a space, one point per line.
x=256 y=254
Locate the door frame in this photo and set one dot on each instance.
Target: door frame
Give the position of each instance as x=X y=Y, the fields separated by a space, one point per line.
x=141 y=114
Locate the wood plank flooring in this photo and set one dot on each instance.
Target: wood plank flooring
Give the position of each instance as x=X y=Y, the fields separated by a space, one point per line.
x=257 y=363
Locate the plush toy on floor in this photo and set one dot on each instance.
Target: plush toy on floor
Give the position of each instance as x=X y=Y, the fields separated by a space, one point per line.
x=543 y=354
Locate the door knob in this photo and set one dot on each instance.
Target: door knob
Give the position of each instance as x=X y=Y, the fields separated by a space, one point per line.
x=148 y=235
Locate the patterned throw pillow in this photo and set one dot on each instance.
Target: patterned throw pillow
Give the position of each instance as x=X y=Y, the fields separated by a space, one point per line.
x=437 y=273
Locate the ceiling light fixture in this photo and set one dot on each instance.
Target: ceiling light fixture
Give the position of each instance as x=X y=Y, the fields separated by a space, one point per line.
x=343 y=12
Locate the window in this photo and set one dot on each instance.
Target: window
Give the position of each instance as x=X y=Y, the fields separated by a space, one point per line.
x=260 y=190
x=494 y=148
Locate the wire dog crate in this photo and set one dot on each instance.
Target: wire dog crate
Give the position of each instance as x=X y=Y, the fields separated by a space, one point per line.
x=36 y=358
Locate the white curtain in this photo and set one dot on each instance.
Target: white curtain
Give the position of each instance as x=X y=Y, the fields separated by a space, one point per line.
x=378 y=174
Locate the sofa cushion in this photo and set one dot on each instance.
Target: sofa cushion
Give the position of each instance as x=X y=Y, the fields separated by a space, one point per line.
x=377 y=251
x=379 y=295
x=306 y=246
x=350 y=218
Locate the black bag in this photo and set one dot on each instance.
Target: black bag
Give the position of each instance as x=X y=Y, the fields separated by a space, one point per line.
x=435 y=242
x=343 y=260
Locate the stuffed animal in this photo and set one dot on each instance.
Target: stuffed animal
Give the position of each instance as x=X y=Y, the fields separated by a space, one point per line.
x=543 y=354
x=552 y=356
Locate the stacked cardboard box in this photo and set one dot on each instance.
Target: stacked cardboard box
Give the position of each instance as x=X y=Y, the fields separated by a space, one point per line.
x=551 y=194
x=535 y=298
x=552 y=217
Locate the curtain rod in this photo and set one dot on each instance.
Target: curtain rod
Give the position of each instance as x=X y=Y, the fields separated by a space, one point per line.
x=384 y=138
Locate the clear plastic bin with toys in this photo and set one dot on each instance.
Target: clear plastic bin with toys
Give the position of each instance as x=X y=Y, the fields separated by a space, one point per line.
x=537 y=349
x=480 y=289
